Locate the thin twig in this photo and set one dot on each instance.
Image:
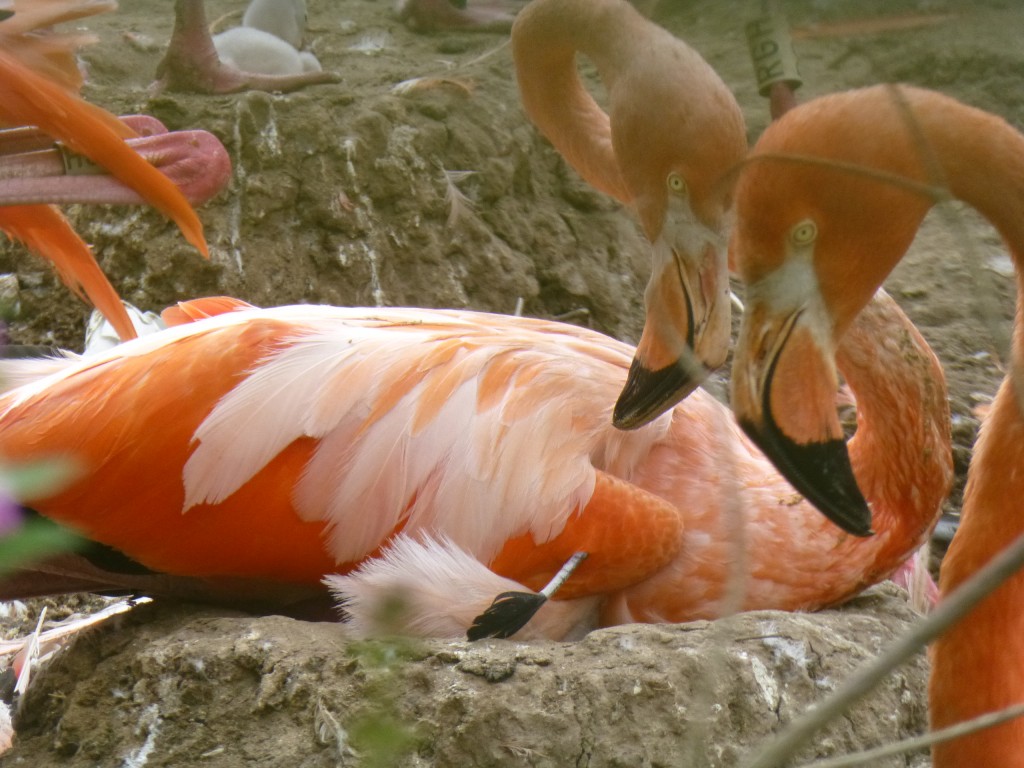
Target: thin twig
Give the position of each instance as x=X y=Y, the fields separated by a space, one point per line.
x=869 y=756
x=936 y=194
x=949 y=611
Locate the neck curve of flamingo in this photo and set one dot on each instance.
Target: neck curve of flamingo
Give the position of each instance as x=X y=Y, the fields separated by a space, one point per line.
x=850 y=178
x=902 y=457
x=671 y=132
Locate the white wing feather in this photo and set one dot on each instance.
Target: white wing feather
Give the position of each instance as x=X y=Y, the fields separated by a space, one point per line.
x=481 y=475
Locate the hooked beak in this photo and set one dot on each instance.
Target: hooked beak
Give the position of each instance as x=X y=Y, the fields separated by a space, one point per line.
x=783 y=395
x=686 y=333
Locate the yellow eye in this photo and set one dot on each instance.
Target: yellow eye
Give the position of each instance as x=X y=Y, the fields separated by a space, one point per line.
x=804 y=233
x=676 y=184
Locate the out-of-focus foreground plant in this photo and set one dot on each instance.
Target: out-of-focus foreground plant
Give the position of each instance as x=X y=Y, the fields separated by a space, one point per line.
x=22 y=539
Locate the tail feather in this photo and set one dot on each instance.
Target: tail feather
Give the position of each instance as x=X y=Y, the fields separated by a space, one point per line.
x=30 y=98
x=28 y=36
x=430 y=587
x=45 y=232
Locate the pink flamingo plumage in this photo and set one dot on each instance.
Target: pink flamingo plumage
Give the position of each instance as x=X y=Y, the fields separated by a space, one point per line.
x=345 y=427
x=827 y=206
x=795 y=558
x=288 y=547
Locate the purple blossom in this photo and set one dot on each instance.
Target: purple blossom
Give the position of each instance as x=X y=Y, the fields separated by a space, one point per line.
x=10 y=513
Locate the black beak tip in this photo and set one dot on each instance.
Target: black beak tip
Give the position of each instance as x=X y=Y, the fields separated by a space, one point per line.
x=648 y=394
x=821 y=471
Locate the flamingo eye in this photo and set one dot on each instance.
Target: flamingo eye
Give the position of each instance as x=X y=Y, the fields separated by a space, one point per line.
x=676 y=184
x=804 y=233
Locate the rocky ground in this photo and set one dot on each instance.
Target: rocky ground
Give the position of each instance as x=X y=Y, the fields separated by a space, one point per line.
x=342 y=195
x=185 y=686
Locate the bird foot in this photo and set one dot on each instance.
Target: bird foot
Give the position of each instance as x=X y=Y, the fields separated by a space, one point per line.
x=511 y=611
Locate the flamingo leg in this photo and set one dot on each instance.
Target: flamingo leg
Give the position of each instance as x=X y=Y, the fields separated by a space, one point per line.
x=28 y=138
x=511 y=611
x=191 y=64
x=628 y=534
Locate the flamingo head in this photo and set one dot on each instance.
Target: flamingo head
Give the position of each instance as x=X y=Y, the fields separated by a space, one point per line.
x=827 y=204
x=675 y=169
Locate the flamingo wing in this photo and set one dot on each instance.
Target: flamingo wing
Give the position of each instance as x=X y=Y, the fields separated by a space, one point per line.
x=287 y=443
x=44 y=231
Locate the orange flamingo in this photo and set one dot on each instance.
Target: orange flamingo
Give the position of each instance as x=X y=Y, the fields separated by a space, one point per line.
x=672 y=130
x=827 y=206
x=36 y=73
x=286 y=444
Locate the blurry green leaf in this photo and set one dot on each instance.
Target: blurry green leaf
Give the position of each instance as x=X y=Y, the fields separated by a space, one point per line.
x=36 y=539
x=380 y=739
x=39 y=478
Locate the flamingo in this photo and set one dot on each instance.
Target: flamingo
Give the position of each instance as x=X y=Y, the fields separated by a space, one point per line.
x=285 y=444
x=191 y=63
x=42 y=98
x=827 y=205
x=672 y=130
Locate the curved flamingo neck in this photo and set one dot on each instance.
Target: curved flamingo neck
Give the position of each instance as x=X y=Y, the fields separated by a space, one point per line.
x=667 y=108
x=545 y=40
x=981 y=158
x=985 y=647
x=901 y=452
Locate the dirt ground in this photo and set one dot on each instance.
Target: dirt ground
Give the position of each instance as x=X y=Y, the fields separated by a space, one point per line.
x=339 y=192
